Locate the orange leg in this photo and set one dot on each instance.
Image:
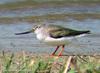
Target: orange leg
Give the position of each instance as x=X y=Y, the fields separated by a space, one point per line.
x=55 y=51
x=60 y=53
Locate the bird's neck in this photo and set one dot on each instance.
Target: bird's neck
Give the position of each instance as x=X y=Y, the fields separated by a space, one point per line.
x=40 y=34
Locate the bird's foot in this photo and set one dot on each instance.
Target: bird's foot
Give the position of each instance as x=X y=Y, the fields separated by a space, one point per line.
x=60 y=54
x=51 y=55
x=54 y=56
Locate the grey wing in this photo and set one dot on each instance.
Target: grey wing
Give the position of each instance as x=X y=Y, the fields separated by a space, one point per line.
x=58 y=33
x=65 y=32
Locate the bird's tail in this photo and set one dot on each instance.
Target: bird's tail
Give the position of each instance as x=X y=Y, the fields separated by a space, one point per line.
x=87 y=32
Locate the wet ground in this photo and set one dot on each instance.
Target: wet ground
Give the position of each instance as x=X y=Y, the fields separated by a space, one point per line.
x=80 y=17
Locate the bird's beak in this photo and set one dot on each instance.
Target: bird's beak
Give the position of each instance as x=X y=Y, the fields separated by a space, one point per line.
x=26 y=32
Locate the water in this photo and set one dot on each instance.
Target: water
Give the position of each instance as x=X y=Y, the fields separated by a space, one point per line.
x=28 y=42
x=9 y=1
x=87 y=45
x=51 y=10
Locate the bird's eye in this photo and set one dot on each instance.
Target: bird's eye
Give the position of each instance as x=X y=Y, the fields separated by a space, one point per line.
x=38 y=26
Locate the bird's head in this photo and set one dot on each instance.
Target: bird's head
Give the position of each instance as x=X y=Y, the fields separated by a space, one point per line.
x=36 y=27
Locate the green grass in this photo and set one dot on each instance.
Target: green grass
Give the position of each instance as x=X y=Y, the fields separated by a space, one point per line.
x=33 y=63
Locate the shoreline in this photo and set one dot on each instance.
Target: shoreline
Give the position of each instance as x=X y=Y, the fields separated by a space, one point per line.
x=35 y=4
x=41 y=18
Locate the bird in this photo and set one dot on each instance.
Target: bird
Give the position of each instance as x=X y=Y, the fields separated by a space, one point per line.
x=55 y=35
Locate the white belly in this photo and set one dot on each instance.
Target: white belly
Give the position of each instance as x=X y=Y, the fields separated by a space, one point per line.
x=55 y=41
x=58 y=41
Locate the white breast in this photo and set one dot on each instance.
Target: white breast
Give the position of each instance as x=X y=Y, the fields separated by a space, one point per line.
x=40 y=34
x=40 y=37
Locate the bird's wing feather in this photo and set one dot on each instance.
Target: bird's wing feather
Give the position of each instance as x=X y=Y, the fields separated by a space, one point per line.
x=58 y=32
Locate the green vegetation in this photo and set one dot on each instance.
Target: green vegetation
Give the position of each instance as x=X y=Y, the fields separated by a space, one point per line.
x=31 y=63
x=45 y=3
x=23 y=62
x=63 y=17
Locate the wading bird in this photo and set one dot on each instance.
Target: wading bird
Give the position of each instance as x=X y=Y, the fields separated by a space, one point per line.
x=55 y=35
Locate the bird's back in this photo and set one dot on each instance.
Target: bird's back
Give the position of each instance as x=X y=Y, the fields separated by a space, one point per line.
x=56 y=31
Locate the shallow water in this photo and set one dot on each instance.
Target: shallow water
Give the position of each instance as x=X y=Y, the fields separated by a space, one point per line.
x=51 y=10
x=8 y=1
x=87 y=45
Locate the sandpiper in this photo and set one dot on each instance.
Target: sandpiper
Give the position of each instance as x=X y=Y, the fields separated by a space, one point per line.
x=55 y=35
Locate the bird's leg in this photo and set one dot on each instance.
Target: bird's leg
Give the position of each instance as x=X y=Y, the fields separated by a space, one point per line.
x=60 y=53
x=55 y=51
